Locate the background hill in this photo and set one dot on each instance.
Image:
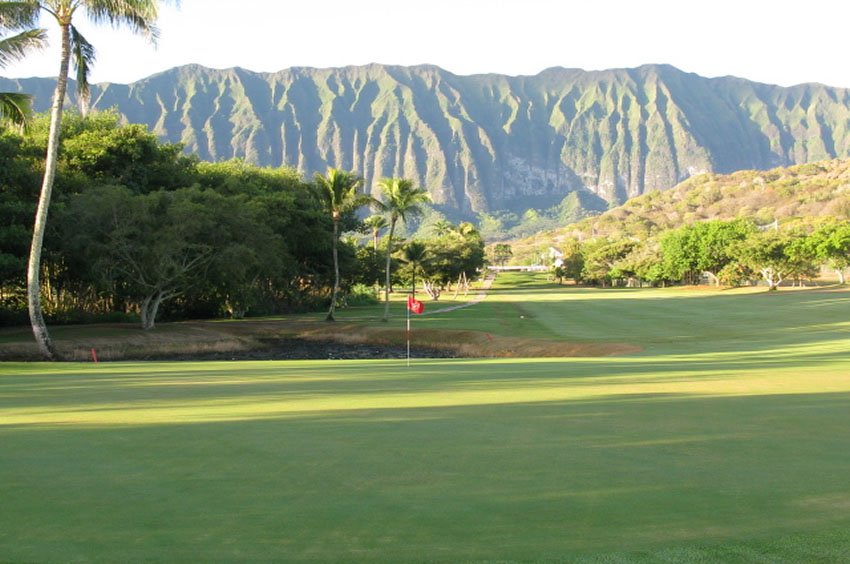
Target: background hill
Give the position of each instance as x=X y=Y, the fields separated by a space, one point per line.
x=805 y=192
x=485 y=143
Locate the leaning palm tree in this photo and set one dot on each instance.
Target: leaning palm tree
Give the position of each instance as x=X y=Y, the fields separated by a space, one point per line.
x=139 y=16
x=401 y=200
x=18 y=17
x=338 y=191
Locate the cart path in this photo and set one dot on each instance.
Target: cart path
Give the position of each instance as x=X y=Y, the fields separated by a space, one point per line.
x=482 y=294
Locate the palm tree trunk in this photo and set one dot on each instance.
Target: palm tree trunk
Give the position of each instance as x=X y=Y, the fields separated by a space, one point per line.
x=330 y=316
x=389 y=264
x=39 y=327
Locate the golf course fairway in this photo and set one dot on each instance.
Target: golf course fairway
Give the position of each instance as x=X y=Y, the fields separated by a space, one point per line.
x=725 y=437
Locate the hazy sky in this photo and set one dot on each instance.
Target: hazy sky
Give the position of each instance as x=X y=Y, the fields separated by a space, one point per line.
x=775 y=41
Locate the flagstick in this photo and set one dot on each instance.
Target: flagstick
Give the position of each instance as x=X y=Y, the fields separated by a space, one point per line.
x=408 y=337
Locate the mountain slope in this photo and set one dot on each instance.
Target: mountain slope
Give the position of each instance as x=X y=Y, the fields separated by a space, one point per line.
x=487 y=142
x=813 y=190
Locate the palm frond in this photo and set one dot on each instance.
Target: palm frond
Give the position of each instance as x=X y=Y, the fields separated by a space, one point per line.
x=138 y=15
x=82 y=53
x=376 y=222
x=22 y=14
x=339 y=190
x=401 y=198
x=15 y=107
x=14 y=48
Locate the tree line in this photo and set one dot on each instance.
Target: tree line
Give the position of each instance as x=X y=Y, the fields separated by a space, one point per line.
x=19 y=34
x=721 y=252
x=140 y=230
x=136 y=225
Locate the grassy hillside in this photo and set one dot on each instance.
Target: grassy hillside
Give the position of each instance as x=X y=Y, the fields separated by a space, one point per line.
x=813 y=190
x=724 y=440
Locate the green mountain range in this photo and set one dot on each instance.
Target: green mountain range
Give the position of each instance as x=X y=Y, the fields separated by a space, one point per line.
x=485 y=143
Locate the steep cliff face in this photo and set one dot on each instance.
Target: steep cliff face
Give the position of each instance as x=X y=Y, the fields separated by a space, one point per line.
x=487 y=142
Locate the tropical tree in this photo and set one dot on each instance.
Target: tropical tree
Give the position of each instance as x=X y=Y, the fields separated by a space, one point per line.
x=602 y=260
x=502 y=253
x=573 y=259
x=150 y=247
x=415 y=254
x=18 y=17
x=401 y=200
x=442 y=227
x=456 y=257
x=368 y=266
x=139 y=16
x=644 y=263
x=338 y=192
x=714 y=242
x=376 y=223
x=771 y=253
x=679 y=249
x=104 y=150
x=704 y=247
x=831 y=242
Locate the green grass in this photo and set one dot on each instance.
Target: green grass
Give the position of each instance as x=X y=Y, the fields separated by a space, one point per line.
x=719 y=445
x=669 y=321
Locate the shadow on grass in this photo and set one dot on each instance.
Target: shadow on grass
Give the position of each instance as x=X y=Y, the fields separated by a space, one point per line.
x=361 y=373
x=203 y=389
x=521 y=480
x=657 y=321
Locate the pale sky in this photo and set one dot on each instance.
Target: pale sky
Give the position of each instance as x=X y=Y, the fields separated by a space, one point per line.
x=781 y=42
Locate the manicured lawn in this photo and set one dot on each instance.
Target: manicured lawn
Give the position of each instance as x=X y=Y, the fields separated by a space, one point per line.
x=676 y=320
x=709 y=445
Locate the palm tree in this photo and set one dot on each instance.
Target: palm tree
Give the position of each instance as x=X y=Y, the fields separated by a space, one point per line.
x=376 y=223
x=338 y=191
x=20 y=17
x=139 y=16
x=442 y=227
x=401 y=200
x=416 y=255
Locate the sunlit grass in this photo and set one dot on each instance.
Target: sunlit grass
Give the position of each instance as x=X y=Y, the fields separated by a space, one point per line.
x=158 y=393
x=727 y=444
x=666 y=321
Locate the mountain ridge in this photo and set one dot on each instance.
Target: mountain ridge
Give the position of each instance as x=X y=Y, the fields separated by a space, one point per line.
x=486 y=142
x=546 y=70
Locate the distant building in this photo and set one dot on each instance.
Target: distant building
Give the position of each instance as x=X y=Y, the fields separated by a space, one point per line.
x=553 y=256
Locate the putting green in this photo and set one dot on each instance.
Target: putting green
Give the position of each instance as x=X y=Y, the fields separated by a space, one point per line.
x=707 y=450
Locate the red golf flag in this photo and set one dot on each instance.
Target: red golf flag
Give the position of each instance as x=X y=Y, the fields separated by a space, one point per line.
x=415 y=305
